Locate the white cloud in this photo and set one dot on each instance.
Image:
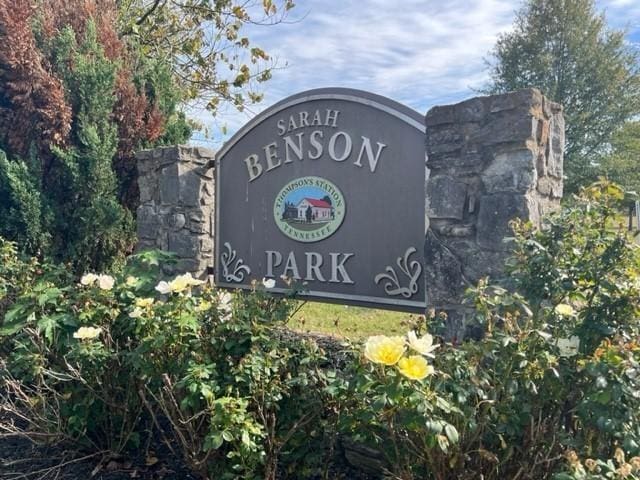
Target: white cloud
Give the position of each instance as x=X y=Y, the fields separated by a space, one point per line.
x=418 y=52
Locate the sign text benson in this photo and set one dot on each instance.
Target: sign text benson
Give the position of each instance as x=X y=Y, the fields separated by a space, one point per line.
x=325 y=189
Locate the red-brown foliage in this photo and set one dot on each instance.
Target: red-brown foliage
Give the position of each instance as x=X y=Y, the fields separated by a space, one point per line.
x=138 y=121
x=33 y=109
x=58 y=14
x=33 y=106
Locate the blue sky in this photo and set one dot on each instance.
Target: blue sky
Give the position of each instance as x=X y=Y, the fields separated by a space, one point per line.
x=419 y=52
x=309 y=192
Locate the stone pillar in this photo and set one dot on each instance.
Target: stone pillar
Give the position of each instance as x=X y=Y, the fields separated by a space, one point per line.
x=176 y=205
x=490 y=159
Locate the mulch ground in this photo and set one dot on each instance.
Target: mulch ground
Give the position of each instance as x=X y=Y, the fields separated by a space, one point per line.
x=20 y=459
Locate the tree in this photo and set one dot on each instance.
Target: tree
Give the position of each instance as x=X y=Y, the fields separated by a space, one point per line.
x=76 y=102
x=202 y=39
x=622 y=164
x=564 y=48
x=97 y=229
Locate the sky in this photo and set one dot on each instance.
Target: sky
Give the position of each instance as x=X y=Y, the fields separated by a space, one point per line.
x=418 y=52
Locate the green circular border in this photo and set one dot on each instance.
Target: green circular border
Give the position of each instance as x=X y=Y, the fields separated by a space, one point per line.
x=332 y=226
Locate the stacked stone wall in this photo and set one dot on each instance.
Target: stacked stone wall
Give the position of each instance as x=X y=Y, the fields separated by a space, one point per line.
x=176 y=205
x=490 y=159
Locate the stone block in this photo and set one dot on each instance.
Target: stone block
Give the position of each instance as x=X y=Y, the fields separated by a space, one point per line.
x=455 y=230
x=175 y=221
x=147 y=222
x=169 y=186
x=494 y=215
x=446 y=197
x=206 y=244
x=190 y=184
x=550 y=187
x=199 y=227
x=505 y=127
x=456 y=324
x=443 y=271
x=203 y=152
x=183 y=244
x=555 y=146
x=512 y=171
x=440 y=115
x=473 y=110
x=443 y=134
x=189 y=265
x=147 y=186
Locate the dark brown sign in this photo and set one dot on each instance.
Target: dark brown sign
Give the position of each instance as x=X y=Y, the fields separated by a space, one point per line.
x=326 y=189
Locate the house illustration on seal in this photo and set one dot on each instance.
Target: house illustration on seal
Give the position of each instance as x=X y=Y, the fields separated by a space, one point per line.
x=311 y=210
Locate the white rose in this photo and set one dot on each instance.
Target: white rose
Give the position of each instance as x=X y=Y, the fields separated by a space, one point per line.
x=88 y=279
x=105 y=282
x=423 y=345
x=163 y=287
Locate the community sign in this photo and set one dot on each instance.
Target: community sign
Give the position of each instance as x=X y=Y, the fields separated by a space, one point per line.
x=324 y=193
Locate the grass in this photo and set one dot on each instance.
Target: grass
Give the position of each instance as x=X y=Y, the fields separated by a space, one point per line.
x=354 y=323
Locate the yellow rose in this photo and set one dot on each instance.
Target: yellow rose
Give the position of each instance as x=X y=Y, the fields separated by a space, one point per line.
x=131 y=281
x=191 y=282
x=203 y=306
x=178 y=284
x=383 y=349
x=144 y=302
x=415 y=367
x=87 y=333
x=565 y=310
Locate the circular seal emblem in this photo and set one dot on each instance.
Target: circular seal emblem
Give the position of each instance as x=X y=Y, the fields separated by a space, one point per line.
x=309 y=209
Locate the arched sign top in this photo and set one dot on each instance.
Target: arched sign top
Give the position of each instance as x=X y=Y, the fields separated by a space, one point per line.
x=384 y=104
x=324 y=192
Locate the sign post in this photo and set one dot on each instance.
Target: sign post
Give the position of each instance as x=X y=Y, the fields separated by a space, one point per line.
x=326 y=190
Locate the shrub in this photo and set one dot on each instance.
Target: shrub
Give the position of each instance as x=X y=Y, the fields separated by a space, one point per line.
x=556 y=371
x=102 y=361
x=77 y=101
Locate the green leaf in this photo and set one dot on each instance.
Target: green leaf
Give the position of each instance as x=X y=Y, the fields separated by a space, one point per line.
x=434 y=426
x=213 y=441
x=47 y=325
x=380 y=402
x=451 y=432
x=14 y=320
x=443 y=443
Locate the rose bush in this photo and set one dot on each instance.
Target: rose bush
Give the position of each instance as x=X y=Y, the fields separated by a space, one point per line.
x=106 y=360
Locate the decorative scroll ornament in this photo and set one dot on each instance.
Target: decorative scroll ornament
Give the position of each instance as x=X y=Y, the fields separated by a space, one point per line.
x=411 y=269
x=238 y=270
